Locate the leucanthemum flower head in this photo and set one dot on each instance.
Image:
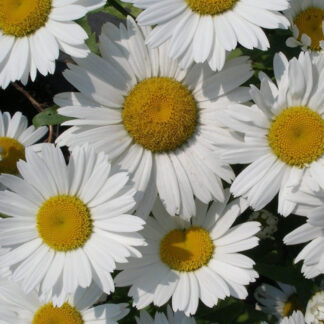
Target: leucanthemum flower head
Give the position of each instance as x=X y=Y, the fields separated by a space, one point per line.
x=306 y=18
x=279 y=302
x=15 y=136
x=17 y=307
x=204 y=30
x=296 y=318
x=281 y=136
x=315 y=309
x=33 y=31
x=161 y=318
x=153 y=119
x=68 y=224
x=310 y=203
x=192 y=261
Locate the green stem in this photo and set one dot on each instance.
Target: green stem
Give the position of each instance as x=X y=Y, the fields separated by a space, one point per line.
x=120 y=8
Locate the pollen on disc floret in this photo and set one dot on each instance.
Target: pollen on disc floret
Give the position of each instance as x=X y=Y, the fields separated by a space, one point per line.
x=292 y=304
x=211 y=7
x=160 y=114
x=186 y=250
x=12 y=152
x=296 y=136
x=64 y=222
x=310 y=22
x=66 y=314
x=21 y=18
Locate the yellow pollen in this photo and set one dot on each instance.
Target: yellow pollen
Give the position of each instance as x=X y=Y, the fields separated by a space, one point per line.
x=211 y=7
x=64 y=223
x=296 y=136
x=21 y=18
x=66 y=314
x=160 y=114
x=12 y=152
x=186 y=250
x=309 y=22
x=292 y=304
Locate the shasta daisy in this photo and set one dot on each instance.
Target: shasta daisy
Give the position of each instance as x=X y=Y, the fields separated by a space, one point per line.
x=19 y=308
x=314 y=310
x=15 y=137
x=192 y=261
x=68 y=224
x=204 y=30
x=295 y=318
x=306 y=18
x=281 y=136
x=33 y=31
x=310 y=204
x=152 y=118
x=279 y=301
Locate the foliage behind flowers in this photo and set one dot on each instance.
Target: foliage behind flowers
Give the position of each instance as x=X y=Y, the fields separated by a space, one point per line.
x=167 y=126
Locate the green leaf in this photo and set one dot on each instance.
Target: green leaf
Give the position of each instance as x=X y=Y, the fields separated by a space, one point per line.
x=92 y=43
x=92 y=40
x=84 y=23
x=121 y=9
x=235 y=53
x=49 y=116
x=251 y=315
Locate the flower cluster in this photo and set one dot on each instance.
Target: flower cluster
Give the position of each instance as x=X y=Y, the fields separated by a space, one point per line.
x=142 y=188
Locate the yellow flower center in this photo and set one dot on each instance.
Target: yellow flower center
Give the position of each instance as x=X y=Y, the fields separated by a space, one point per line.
x=64 y=222
x=296 y=136
x=21 y=18
x=186 y=250
x=211 y=7
x=309 y=22
x=12 y=152
x=292 y=304
x=66 y=314
x=160 y=114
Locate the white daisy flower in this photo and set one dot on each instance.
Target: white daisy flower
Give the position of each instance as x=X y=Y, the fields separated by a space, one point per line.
x=306 y=19
x=18 y=308
x=279 y=302
x=310 y=203
x=295 y=318
x=153 y=119
x=315 y=309
x=201 y=30
x=269 y=223
x=282 y=135
x=69 y=224
x=193 y=260
x=15 y=137
x=161 y=318
x=33 y=32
